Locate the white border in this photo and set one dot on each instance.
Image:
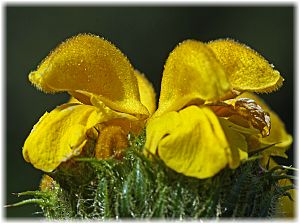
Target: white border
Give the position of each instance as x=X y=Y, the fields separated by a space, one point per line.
x=145 y=3
x=150 y=2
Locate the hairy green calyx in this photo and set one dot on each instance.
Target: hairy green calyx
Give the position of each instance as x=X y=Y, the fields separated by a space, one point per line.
x=138 y=187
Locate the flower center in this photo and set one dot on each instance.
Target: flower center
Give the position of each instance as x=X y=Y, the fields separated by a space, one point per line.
x=110 y=140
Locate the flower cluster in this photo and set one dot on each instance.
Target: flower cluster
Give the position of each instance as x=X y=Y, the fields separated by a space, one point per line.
x=207 y=117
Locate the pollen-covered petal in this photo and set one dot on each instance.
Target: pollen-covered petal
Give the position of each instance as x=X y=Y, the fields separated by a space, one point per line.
x=246 y=69
x=278 y=134
x=61 y=135
x=92 y=64
x=147 y=93
x=191 y=75
x=190 y=141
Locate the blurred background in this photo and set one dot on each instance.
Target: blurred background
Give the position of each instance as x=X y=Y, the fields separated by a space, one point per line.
x=146 y=35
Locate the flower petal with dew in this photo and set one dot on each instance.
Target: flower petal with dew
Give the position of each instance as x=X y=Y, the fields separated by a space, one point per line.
x=192 y=74
x=106 y=91
x=91 y=64
x=246 y=69
x=192 y=142
x=61 y=134
x=199 y=128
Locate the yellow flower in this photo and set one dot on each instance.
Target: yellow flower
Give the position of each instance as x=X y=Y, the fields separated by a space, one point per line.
x=109 y=97
x=205 y=120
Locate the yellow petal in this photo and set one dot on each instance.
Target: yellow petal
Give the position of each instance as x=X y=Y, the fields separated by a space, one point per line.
x=159 y=127
x=278 y=134
x=237 y=143
x=192 y=74
x=61 y=134
x=91 y=64
x=190 y=141
x=96 y=101
x=147 y=93
x=247 y=70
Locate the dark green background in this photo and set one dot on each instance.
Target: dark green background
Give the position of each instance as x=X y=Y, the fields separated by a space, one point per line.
x=146 y=35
